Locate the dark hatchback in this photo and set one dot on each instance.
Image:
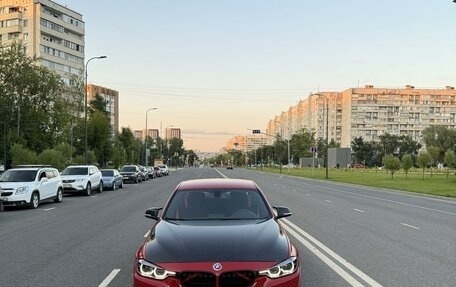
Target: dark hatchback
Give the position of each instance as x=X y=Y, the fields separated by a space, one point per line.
x=217 y=232
x=130 y=173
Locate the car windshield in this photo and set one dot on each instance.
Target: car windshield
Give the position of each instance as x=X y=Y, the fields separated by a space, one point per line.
x=128 y=169
x=18 y=176
x=75 y=171
x=107 y=172
x=216 y=205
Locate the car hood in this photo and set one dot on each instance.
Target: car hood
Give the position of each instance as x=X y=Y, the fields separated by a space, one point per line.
x=14 y=185
x=216 y=241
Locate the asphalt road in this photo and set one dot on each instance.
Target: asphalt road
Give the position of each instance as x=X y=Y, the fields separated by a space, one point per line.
x=347 y=235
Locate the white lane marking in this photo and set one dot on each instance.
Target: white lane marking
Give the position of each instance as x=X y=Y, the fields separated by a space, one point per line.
x=47 y=209
x=411 y=226
x=359 y=210
x=110 y=277
x=327 y=200
x=147 y=234
x=384 y=199
x=347 y=277
x=93 y=196
x=308 y=194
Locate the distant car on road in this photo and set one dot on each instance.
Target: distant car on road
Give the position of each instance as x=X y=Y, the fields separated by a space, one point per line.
x=229 y=167
x=111 y=178
x=217 y=232
x=82 y=179
x=30 y=186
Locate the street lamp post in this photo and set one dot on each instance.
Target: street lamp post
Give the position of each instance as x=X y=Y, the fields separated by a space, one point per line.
x=85 y=104
x=145 y=138
x=327 y=131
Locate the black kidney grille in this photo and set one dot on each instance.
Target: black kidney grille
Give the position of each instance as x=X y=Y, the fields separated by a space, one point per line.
x=237 y=279
x=197 y=279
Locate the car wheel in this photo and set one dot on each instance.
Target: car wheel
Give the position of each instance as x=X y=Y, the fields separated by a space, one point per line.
x=121 y=184
x=88 y=189
x=100 y=187
x=34 y=200
x=136 y=180
x=113 y=185
x=59 y=196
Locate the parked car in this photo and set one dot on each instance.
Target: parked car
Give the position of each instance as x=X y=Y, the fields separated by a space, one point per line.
x=151 y=172
x=217 y=232
x=158 y=171
x=30 y=186
x=82 y=179
x=111 y=178
x=144 y=173
x=130 y=173
x=164 y=169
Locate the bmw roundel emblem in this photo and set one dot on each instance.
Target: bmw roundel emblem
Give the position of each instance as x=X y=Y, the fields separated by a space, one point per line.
x=217 y=266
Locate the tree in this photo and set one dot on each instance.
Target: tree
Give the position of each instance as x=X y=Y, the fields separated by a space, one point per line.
x=449 y=160
x=52 y=157
x=99 y=137
x=300 y=144
x=392 y=164
x=22 y=155
x=423 y=160
x=407 y=163
x=434 y=154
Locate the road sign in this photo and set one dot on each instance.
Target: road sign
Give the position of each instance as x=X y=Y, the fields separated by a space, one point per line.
x=256 y=131
x=313 y=149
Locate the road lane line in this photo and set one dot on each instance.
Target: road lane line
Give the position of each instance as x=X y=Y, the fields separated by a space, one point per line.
x=411 y=226
x=308 y=194
x=110 y=277
x=331 y=253
x=47 y=209
x=327 y=200
x=384 y=199
x=336 y=268
x=359 y=210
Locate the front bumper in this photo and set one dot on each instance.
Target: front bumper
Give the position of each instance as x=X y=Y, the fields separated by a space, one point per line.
x=10 y=198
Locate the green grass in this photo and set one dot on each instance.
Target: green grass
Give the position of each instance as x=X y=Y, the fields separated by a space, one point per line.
x=436 y=183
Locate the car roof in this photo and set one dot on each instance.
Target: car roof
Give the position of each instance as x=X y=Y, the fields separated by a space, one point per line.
x=217 y=183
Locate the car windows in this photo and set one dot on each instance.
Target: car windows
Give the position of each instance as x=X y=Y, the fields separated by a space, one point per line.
x=128 y=169
x=75 y=171
x=217 y=204
x=107 y=172
x=18 y=176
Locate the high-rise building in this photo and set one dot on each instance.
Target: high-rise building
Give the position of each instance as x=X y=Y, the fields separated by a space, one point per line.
x=111 y=98
x=368 y=112
x=172 y=133
x=49 y=31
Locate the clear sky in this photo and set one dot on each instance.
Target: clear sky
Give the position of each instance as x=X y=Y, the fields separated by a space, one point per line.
x=216 y=68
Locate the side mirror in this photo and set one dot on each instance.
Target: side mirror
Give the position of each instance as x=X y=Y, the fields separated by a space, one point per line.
x=152 y=213
x=282 y=211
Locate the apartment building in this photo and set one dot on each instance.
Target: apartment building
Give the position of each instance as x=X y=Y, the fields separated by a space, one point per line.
x=246 y=143
x=111 y=98
x=367 y=112
x=49 y=31
x=152 y=133
x=172 y=133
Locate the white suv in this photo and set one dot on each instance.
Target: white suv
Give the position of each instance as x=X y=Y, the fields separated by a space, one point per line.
x=82 y=178
x=30 y=186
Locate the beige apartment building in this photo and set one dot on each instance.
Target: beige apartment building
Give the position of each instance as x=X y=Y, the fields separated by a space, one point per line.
x=367 y=112
x=172 y=133
x=49 y=31
x=246 y=143
x=111 y=98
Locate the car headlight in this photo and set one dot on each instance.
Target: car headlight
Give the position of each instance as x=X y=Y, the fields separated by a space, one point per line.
x=284 y=268
x=150 y=270
x=22 y=190
x=79 y=180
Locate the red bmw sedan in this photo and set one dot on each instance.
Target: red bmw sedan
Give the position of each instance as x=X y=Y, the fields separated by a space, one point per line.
x=217 y=233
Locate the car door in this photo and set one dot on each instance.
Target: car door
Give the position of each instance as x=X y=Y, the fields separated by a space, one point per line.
x=44 y=184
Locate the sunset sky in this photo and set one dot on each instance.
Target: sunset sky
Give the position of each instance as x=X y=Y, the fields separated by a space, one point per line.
x=216 y=68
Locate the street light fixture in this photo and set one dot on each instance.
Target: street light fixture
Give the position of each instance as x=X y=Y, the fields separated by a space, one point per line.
x=85 y=104
x=327 y=130
x=145 y=138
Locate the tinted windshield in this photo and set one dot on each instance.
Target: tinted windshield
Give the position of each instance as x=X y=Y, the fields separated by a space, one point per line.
x=75 y=171
x=18 y=176
x=217 y=204
x=107 y=172
x=128 y=168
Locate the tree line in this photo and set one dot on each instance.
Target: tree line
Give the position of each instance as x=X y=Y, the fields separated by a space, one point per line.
x=42 y=121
